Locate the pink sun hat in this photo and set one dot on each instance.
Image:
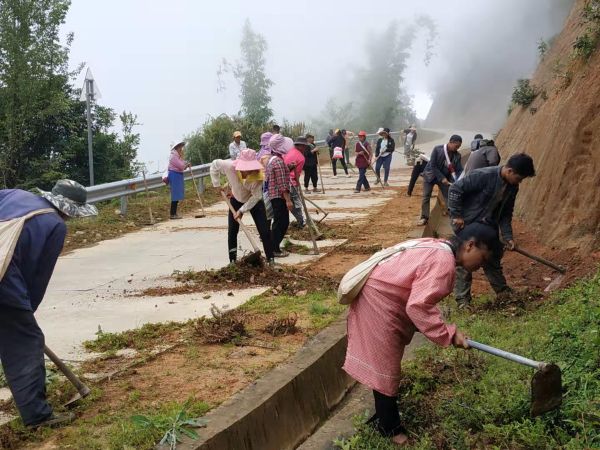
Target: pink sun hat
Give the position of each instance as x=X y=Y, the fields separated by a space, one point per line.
x=247 y=161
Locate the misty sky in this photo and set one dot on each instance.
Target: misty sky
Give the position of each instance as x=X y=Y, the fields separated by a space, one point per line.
x=158 y=59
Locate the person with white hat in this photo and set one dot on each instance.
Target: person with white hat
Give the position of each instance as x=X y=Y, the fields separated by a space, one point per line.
x=245 y=177
x=31 y=239
x=383 y=154
x=410 y=139
x=236 y=147
x=176 y=182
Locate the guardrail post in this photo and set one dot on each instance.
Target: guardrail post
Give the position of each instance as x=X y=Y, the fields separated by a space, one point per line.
x=123 y=205
x=201 y=187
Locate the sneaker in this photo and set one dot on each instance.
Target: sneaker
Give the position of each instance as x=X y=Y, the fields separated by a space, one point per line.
x=378 y=180
x=334 y=176
x=386 y=184
x=176 y=216
x=356 y=191
x=422 y=222
x=55 y=420
x=367 y=189
x=281 y=254
x=348 y=175
x=307 y=190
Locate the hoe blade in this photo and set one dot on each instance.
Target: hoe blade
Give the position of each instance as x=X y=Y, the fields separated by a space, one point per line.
x=546 y=390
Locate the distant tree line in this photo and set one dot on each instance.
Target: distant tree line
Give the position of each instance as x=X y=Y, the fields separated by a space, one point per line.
x=43 y=126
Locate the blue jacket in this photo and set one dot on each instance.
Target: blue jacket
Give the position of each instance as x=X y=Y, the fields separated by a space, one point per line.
x=470 y=198
x=28 y=274
x=437 y=167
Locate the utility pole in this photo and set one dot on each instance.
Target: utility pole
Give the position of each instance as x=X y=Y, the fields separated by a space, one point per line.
x=90 y=93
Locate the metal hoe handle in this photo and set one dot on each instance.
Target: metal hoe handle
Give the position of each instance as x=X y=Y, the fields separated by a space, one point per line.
x=506 y=355
x=556 y=267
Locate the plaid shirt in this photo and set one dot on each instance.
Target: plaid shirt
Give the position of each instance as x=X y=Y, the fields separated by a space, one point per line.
x=277 y=178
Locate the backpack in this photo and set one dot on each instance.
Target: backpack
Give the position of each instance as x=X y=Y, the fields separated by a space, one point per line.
x=355 y=279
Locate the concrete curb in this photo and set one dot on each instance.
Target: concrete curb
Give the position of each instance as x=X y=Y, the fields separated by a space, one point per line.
x=283 y=408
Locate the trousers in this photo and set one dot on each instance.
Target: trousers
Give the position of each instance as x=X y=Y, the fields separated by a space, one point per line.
x=386 y=419
x=22 y=355
x=281 y=222
x=297 y=201
x=259 y=216
x=362 y=179
x=427 y=190
x=414 y=176
x=386 y=162
x=311 y=173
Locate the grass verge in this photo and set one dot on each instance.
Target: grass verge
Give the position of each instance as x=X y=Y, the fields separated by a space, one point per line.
x=463 y=400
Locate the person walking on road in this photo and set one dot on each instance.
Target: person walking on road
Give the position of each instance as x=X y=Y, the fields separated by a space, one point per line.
x=236 y=147
x=410 y=139
x=245 y=178
x=400 y=297
x=295 y=160
x=311 y=170
x=488 y=196
x=277 y=188
x=383 y=154
x=486 y=156
x=348 y=135
x=363 y=161
x=337 y=141
x=442 y=170
x=26 y=271
x=176 y=182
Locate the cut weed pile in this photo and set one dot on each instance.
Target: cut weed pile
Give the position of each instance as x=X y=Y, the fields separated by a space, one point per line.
x=461 y=400
x=284 y=280
x=328 y=230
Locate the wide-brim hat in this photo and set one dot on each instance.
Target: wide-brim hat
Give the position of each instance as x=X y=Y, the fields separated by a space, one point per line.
x=237 y=134
x=174 y=147
x=70 y=198
x=301 y=140
x=380 y=130
x=247 y=161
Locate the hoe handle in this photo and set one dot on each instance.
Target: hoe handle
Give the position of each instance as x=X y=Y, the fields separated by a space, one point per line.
x=506 y=355
x=81 y=388
x=556 y=267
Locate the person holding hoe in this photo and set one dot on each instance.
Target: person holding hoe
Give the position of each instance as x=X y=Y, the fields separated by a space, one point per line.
x=398 y=298
x=245 y=178
x=31 y=239
x=363 y=161
x=488 y=195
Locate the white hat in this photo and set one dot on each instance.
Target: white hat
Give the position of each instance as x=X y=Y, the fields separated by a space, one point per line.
x=380 y=130
x=173 y=147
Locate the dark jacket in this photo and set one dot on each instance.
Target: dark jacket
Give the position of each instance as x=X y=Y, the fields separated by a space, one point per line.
x=28 y=274
x=391 y=146
x=437 y=168
x=337 y=141
x=484 y=157
x=310 y=158
x=471 y=197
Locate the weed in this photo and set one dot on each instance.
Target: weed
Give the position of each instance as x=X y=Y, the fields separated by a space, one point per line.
x=524 y=93
x=172 y=428
x=585 y=45
x=282 y=326
x=2 y=378
x=222 y=327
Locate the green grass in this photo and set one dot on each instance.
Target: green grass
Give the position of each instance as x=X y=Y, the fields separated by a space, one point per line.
x=138 y=339
x=456 y=399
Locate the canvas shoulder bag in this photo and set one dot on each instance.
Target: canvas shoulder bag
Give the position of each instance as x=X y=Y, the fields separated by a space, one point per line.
x=10 y=231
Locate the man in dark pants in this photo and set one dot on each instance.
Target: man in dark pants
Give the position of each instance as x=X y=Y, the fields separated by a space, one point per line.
x=23 y=285
x=245 y=177
x=311 y=169
x=418 y=169
x=488 y=195
x=443 y=169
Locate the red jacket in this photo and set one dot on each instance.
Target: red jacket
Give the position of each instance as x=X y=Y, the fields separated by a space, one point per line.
x=362 y=162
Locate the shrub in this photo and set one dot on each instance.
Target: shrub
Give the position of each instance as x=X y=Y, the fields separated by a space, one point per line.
x=585 y=45
x=524 y=93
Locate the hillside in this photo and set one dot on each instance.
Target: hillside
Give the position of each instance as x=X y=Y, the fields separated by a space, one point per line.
x=561 y=130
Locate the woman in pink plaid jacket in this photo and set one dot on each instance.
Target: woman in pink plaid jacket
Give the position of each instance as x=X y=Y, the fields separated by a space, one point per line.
x=399 y=298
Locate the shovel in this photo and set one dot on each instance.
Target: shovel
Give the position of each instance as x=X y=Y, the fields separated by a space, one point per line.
x=82 y=389
x=254 y=258
x=561 y=269
x=197 y=216
x=546 y=385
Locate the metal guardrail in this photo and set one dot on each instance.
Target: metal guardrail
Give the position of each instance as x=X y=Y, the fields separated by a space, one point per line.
x=124 y=188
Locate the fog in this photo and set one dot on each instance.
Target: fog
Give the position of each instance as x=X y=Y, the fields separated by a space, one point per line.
x=159 y=59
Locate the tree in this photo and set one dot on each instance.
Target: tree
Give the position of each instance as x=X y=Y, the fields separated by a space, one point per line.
x=33 y=79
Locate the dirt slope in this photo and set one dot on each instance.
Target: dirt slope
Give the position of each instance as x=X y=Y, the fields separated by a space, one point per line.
x=562 y=133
